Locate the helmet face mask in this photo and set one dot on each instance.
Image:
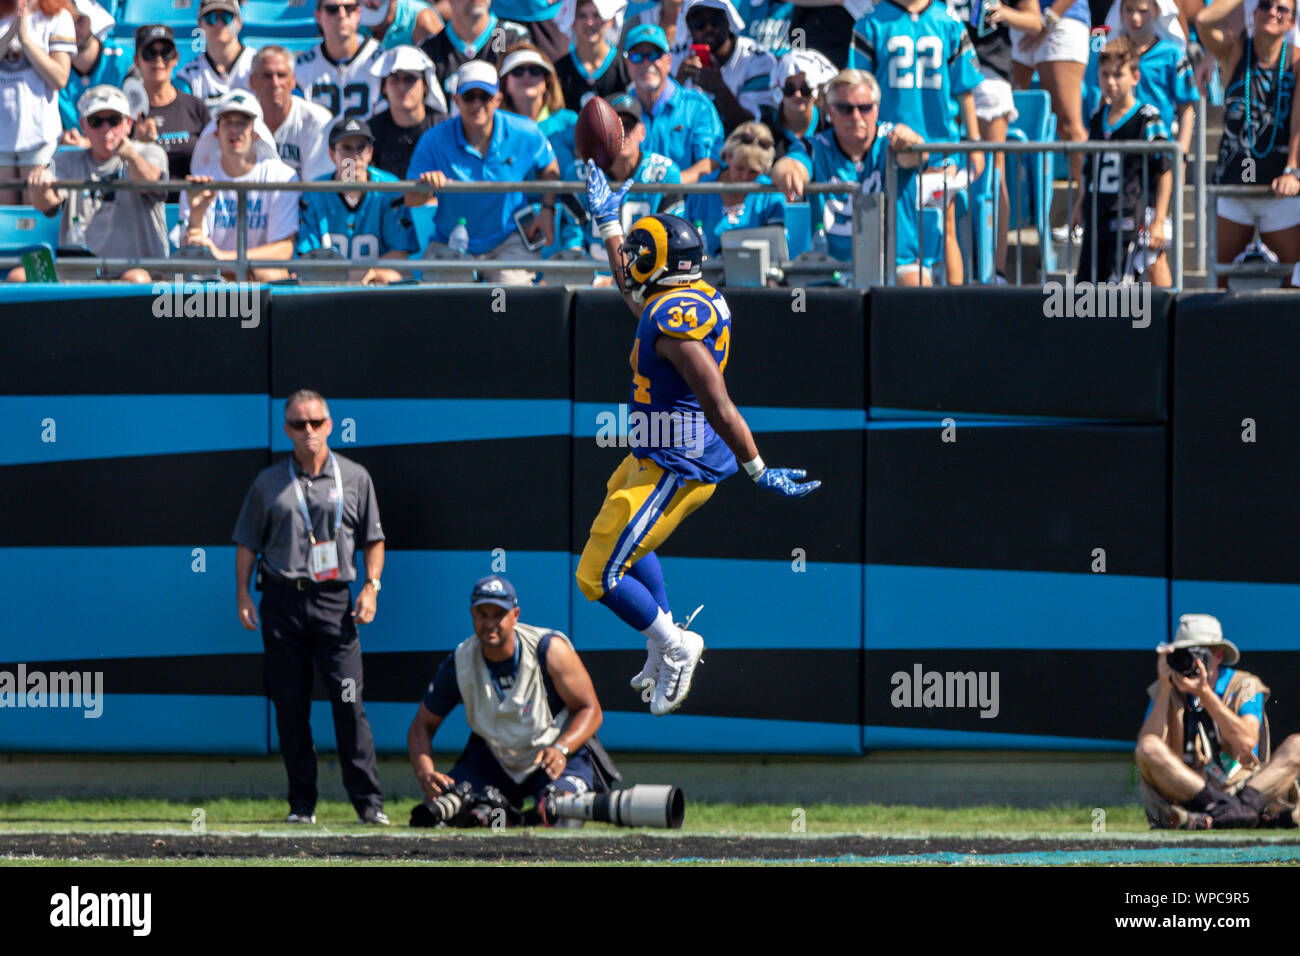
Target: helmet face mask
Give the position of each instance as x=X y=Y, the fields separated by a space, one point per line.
x=660 y=251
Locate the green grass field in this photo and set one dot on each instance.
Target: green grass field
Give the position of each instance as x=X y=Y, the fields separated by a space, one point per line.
x=256 y=816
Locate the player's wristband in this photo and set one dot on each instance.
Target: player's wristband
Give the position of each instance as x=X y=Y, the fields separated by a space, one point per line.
x=754 y=467
x=1050 y=18
x=610 y=230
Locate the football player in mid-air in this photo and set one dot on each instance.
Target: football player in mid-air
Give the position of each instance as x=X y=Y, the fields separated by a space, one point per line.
x=678 y=357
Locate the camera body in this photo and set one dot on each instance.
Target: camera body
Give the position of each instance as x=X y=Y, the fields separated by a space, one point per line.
x=1183 y=660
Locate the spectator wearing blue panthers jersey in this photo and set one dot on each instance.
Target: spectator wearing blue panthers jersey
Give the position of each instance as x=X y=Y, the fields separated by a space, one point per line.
x=928 y=70
x=486 y=144
x=680 y=123
x=94 y=64
x=746 y=158
x=1165 y=78
x=738 y=77
x=592 y=67
x=360 y=225
x=767 y=23
x=853 y=151
x=400 y=22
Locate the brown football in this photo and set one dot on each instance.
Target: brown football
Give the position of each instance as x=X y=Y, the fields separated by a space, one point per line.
x=598 y=134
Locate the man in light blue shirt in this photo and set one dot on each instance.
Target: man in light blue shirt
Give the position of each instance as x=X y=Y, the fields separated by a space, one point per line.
x=486 y=144
x=680 y=123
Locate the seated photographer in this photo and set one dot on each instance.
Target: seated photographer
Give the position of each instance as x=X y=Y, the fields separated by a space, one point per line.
x=530 y=705
x=1203 y=750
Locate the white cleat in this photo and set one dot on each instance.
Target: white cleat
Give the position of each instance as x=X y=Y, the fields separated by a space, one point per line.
x=649 y=674
x=675 y=674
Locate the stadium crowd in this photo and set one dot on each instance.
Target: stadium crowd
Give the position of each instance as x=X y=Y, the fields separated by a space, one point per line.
x=786 y=92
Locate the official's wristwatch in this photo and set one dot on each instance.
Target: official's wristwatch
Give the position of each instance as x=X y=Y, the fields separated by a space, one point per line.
x=562 y=749
x=374 y=583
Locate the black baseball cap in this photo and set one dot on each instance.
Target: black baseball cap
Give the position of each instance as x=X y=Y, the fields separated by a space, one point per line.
x=494 y=589
x=350 y=126
x=154 y=31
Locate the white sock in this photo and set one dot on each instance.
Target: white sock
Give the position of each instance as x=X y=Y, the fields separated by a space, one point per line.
x=666 y=635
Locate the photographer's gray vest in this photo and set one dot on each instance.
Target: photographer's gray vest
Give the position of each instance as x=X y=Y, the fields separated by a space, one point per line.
x=519 y=726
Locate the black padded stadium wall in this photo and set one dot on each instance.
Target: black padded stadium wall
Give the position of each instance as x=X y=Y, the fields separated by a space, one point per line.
x=1236 y=504
x=1016 y=519
x=133 y=423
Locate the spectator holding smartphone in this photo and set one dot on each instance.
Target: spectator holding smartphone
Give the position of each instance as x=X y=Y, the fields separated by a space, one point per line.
x=737 y=76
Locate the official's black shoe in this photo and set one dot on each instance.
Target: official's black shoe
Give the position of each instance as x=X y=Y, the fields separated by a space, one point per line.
x=373 y=815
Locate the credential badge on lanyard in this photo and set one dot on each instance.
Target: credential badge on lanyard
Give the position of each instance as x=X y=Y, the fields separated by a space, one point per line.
x=325 y=555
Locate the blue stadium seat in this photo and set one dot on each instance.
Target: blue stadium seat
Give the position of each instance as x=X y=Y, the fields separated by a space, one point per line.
x=22 y=227
x=798 y=227
x=173 y=213
x=280 y=18
x=981 y=205
x=1029 y=177
x=180 y=15
x=422 y=218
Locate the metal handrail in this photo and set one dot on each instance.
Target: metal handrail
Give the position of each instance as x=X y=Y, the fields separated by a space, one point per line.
x=1140 y=147
x=1213 y=267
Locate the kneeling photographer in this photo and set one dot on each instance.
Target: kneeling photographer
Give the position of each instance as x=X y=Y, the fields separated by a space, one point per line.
x=1203 y=752
x=532 y=709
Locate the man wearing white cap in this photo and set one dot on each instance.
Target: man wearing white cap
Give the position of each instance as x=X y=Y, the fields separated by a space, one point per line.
x=226 y=63
x=487 y=144
x=413 y=103
x=299 y=126
x=110 y=223
x=241 y=149
x=342 y=73
x=1203 y=750
x=738 y=77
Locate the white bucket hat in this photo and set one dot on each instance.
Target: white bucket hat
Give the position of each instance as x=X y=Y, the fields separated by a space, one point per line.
x=1203 y=630
x=411 y=59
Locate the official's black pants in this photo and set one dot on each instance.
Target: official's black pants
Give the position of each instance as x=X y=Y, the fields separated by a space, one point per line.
x=299 y=629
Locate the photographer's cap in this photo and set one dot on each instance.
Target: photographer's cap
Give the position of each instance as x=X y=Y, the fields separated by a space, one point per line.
x=494 y=589
x=1203 y=630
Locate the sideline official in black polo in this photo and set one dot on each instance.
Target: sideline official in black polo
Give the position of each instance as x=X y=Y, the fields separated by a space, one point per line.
x=305 y=516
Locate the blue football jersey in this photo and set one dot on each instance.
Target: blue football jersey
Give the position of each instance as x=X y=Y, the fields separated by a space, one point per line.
x=380 y=223
x=670 y=428
x=923 y=62
x=830 y=165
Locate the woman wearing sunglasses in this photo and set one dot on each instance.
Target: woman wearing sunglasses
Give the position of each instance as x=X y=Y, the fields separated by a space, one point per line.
x=798 y=113
x=226 y=64
x=37 y=40
x=592 y=65
x=1261 y=126
x=746 y=157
